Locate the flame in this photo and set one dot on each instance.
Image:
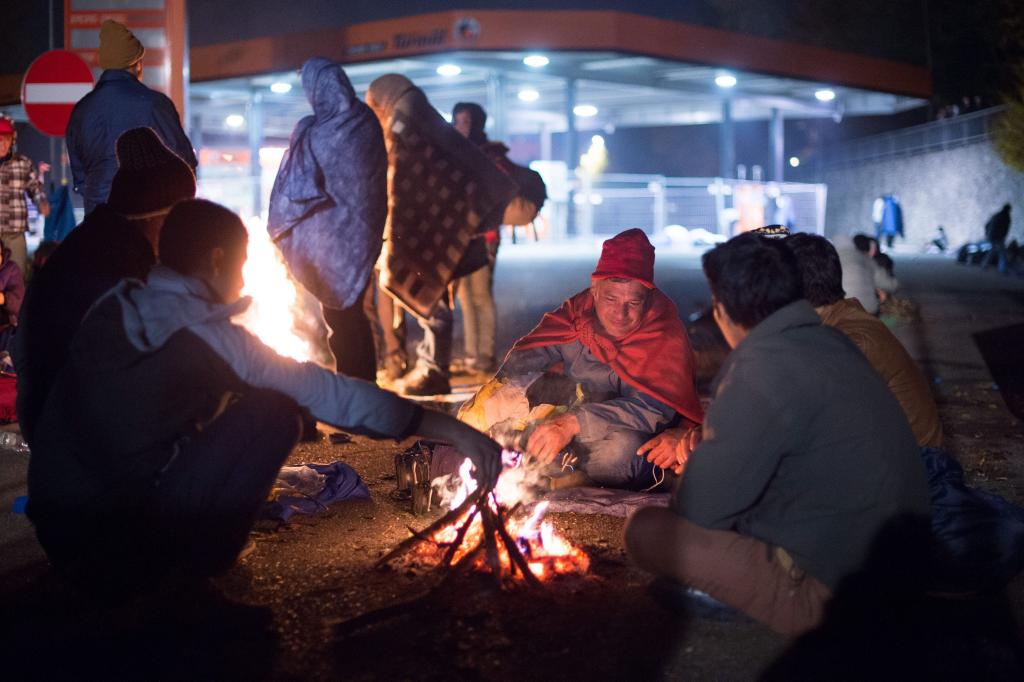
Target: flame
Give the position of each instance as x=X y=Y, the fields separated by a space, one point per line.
x=547 y=553
x=271 y=316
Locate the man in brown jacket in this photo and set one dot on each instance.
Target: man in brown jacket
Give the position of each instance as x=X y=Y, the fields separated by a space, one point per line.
x=823 y=286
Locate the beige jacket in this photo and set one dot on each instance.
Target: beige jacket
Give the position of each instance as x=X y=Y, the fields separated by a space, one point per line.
x=891 y=360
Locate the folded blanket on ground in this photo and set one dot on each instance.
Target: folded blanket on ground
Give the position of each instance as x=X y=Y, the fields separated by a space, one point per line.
x=308 y=488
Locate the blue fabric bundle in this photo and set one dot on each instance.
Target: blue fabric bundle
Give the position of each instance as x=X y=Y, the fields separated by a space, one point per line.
x=330 y=201
x=341 y=482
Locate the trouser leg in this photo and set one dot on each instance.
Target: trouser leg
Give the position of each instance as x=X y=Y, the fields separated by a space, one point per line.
x=392 y=323
x=478 y=315
x=736 y=569
x=351 y=341
x=15 y=241
x=434 y=352
x=210 y=494
x=611 y=460
x=487 y=318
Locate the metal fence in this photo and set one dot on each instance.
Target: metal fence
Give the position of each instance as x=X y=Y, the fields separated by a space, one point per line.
x=928 y=137
x=609 y=203
x=613 y=202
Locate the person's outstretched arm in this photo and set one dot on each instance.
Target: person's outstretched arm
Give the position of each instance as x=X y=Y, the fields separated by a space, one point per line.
x=347 y=403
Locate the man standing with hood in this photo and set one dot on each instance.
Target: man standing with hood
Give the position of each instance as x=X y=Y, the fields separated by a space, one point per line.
x=328 y=208
x=118 y=103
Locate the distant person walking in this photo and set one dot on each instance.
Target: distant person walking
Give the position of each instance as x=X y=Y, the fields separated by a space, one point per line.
x=17 y=178
x=888 y=218
x=118 y=103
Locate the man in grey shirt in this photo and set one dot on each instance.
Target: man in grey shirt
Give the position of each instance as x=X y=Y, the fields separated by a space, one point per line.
x=806 y=455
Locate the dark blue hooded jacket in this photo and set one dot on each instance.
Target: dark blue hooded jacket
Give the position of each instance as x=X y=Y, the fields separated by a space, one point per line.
x=119 y=102
x=329 y=202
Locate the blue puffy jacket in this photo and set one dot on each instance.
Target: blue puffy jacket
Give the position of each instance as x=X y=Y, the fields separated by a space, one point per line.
x=119 y=102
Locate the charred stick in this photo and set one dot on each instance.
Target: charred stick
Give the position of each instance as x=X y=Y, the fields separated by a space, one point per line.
x=490 y=530
x=448 y=518
x=459 y=537
x=516 y=557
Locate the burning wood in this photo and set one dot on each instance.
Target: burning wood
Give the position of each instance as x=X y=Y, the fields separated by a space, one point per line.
x=488 y=529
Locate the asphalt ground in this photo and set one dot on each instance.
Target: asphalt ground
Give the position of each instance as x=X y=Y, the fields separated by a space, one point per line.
x=307 y=603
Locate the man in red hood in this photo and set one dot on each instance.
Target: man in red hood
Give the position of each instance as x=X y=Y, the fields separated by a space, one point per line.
x=623 y=341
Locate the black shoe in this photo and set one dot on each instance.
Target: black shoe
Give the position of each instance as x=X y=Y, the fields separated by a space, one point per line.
x=425 y=382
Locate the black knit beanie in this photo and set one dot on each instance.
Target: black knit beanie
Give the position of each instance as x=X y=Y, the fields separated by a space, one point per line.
x=150 y=177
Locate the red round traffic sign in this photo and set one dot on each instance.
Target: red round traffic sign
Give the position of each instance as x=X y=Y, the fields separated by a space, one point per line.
x=54 y=82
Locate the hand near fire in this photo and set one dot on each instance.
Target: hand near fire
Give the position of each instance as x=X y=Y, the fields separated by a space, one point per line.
x=671 y=448
x=484 y=452
x=551 y=437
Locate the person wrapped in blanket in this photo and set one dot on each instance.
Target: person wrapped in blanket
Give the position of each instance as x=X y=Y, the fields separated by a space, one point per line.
x=621 y=340
x=442 y=192
x=167 y=423
x=328 y=207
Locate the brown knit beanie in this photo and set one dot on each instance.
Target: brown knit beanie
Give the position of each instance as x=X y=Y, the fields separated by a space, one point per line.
x=119 y=48
x=150 y=177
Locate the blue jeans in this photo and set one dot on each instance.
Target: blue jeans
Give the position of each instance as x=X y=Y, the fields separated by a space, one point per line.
x=434 y=352
x=611 y=460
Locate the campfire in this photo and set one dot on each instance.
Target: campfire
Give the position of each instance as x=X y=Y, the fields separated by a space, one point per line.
x=493 y=530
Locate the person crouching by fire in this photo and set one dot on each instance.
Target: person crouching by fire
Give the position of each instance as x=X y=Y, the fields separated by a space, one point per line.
x=807 y=464
x=622 y=341
x=168 y=423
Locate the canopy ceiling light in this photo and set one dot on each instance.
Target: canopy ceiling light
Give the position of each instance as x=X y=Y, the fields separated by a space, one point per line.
x=449 y=70
x=585 y=110
x=725 y=80
x=794 y=161
x=536 y=61
x=281 y=88
x=234 y=121
x=528 y=95
x=825 y=95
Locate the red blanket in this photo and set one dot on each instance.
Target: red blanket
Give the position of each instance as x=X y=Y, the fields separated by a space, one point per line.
x=655 y=359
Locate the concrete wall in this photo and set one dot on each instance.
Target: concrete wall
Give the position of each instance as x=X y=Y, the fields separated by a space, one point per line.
x=957 y=188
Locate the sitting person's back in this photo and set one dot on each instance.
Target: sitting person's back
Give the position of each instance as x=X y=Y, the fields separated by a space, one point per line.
x=114 y=242
x=863 y=278
x=12 y=291
x=806 y=458
x=821 y=271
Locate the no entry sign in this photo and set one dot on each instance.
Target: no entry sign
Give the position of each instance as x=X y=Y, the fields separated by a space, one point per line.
x=54 y=82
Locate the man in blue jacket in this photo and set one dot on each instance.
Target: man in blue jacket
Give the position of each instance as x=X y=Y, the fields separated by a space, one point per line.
x=118 y=103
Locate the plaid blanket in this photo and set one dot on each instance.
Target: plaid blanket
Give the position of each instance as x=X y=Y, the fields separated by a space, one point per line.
x=441 y=188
